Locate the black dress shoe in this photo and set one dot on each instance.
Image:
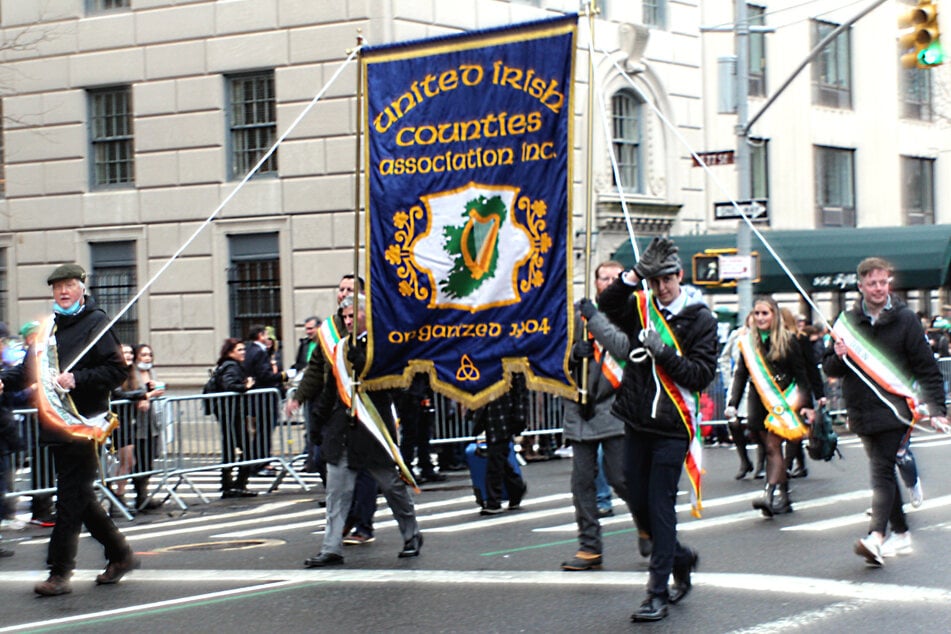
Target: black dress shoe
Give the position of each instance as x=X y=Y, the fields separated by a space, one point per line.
x=681 y=585
x=644 y=544
x=431 y=477
x=323 y=559
x=412 y=546
x=652 y=609
x=742 y=473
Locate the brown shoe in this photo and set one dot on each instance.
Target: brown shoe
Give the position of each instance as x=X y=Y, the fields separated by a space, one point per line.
x=118 y=569
x=583 y=561
x=54 y=586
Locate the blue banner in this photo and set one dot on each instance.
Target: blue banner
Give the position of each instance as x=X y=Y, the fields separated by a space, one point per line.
x=468 y=159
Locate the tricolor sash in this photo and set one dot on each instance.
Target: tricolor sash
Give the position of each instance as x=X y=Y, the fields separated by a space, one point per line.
x=781 y=416
x=878 y=367
x=367 y=413
x=687 y=403
x=611 y=368
x=54 y=406
x=329 y=336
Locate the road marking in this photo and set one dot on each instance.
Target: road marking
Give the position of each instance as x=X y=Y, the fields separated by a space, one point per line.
x=850 y=520
x=804 y=619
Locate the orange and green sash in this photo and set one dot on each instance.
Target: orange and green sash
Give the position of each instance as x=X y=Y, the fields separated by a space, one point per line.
x=781 y=416
x=367 y=413
x=611 y=368
x=878 y=367
x=687 y=403
x=329 y=336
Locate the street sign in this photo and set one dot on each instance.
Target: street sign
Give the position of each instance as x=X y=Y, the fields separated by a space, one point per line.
x=757 y=210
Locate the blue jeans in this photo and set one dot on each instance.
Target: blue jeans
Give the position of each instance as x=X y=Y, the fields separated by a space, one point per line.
x=601 y=484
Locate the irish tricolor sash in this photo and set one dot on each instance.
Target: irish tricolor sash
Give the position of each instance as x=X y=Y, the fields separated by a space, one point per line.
x=686 y=402
x=611 y=368
x=367 y=413
x=329 y=336
x=54 y=407
x=879 y=368
x=781 y=417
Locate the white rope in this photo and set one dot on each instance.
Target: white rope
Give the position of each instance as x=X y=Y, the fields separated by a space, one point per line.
x=218 y=209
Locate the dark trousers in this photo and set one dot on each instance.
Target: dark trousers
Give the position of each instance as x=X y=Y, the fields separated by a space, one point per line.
x=653 y=466
x=882 y=450
x=499 y=471
x=363 y=506
x=77 y=467
x=416 y=431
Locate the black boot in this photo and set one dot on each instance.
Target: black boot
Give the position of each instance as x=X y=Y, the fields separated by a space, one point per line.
x=143 y=501
x=765 y=503
x=781 y=503
x=736 y=430
x=227 y=484
x=241 y=484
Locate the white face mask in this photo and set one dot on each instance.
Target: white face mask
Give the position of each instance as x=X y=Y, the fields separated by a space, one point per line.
x=143 y=366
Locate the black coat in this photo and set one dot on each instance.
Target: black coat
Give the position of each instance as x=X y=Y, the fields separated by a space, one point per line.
x=231 y=377
x=898 y=334
x=339 y=434
x=257 y=364
x=696 y=330
x=98 y=372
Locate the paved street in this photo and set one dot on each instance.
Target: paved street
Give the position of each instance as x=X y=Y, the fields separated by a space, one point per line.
x=236 y=567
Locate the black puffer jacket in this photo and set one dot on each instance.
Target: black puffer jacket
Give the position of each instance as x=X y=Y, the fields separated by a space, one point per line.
x=98 y=372
x=696 y=330
x=898 y=334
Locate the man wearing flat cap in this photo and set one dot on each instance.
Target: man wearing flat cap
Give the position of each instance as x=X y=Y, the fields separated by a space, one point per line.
x=674 y=357
x=89 y=381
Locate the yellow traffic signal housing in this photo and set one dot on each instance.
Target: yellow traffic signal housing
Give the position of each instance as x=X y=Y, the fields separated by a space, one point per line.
x=920 y=43
x=706 y=269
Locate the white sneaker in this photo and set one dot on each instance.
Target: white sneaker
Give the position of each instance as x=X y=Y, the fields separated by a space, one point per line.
x=871 y=549
x=897 y=544
x=917 y=495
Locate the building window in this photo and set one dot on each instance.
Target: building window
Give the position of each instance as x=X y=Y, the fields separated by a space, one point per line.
x=831 y=72
x=253 y=122
x=835 y=186
x=759 y=168
x=111 y=136
x=112 y=281
x=4 y=288
x=655 y=13
x=254 y=282
x=107 y=5
x=916 y=94
x=756 y=15
x=626 y=115
x=917 y=190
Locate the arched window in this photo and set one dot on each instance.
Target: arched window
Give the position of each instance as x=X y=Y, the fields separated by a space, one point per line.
x=626 y=117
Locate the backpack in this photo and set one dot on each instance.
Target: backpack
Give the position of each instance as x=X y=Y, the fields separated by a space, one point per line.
x=823 y=441
x=211 y=387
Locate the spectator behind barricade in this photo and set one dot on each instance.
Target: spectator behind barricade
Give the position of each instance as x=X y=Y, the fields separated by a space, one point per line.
x=123 y=438
x=231 y=377
x=10 y=440
x=306 y=346
x=501 y=420
x=938 y=337
x=274 y=349
x=14 y=399
x=148 y=428
x=41 y=471
x=259 y=365
x=417 y=415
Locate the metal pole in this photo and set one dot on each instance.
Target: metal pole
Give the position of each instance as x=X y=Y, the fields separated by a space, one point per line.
x=590 y=9
x=744 y=287
x=356 y=224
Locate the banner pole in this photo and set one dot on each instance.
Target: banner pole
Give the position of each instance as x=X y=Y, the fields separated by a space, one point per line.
x=357 y=288
x=590 y=11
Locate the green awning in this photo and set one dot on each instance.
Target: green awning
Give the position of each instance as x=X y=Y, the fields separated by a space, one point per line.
x=825 y=259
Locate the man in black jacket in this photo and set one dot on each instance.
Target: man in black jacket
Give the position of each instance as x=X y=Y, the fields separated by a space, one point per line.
x=679 y=338
x=887 y=336
x=78 y=321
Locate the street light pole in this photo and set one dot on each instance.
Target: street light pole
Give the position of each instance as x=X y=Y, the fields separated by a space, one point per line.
x=744 y=286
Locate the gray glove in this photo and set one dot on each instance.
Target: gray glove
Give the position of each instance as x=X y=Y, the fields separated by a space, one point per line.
x=659 y=258
x=582 y=350
x=587 y=308
x=652 y=342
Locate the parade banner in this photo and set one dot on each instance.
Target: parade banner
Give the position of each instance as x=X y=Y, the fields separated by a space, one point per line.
x=468 y=173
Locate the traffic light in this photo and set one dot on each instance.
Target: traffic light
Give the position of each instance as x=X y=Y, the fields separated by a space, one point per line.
x=706 y=269
x=921 y=43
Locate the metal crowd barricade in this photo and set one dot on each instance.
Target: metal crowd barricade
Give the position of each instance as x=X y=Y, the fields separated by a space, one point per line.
x=225 y=430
